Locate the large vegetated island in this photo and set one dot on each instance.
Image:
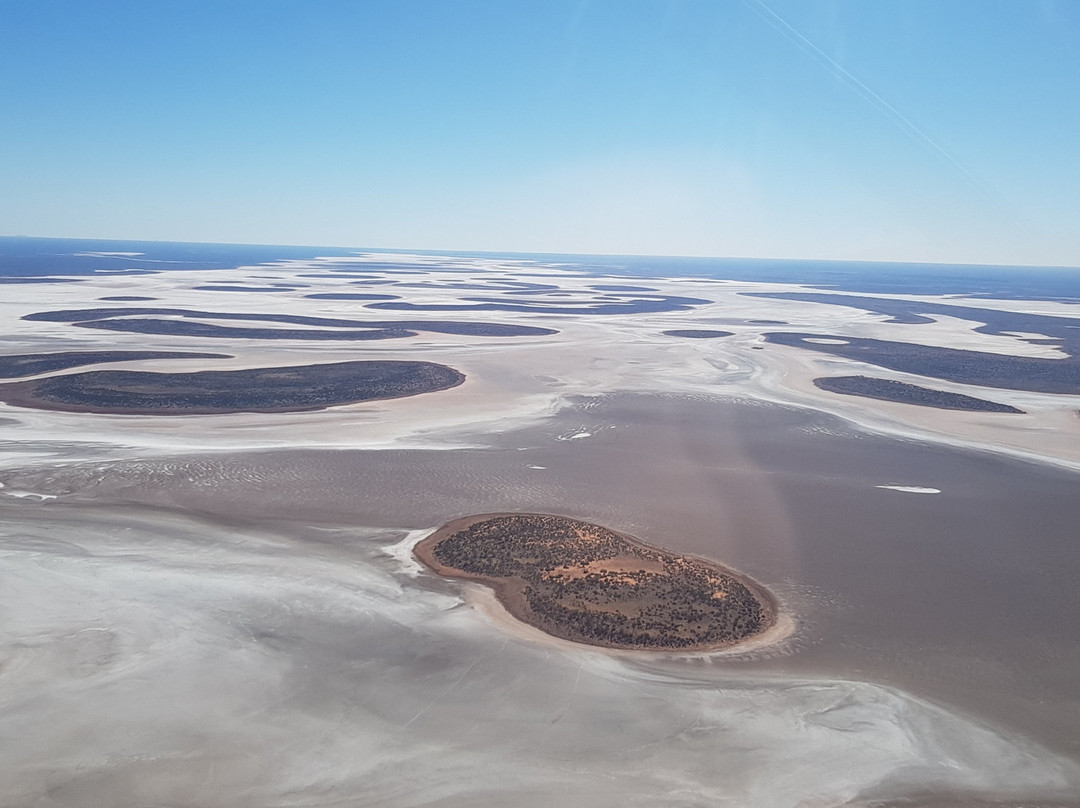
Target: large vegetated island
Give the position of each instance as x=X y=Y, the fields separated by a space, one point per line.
x=586 y=583
x=275 y=389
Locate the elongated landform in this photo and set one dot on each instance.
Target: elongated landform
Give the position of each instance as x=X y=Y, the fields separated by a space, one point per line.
x=1005 y=371
x=892 y=390
x=13 y=366
x=696 y=333
x=142 y=320
x=589 y=584
x=277 y=389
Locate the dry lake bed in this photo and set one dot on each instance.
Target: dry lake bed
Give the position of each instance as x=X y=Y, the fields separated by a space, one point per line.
x=223 y=608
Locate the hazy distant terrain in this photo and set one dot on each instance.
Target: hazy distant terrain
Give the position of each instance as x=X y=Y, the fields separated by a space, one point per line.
x=224 y=609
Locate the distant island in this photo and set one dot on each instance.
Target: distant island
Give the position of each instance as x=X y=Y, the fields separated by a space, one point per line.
x=13 y=366
x=275 y=389
x=1036 y=374
x=589 y=584
x=696 y=333
x=892 y=390
x=143 y=320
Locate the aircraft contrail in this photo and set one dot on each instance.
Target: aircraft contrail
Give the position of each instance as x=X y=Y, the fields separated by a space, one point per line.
x=781 y=25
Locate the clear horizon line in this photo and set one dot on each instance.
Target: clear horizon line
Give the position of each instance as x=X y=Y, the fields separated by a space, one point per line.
x=451 y=251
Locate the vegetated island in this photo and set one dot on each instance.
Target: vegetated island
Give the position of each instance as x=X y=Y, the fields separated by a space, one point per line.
x=586 y=583
x=696 y=333
x=242 y=289
x=631 y=303
x=13 y=366
x=1006 y=371
x=891 y=390
x=134 y=319
x=350 y=296
x=278 y=389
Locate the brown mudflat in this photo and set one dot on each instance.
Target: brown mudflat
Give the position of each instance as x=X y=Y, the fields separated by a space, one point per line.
x=586 y=583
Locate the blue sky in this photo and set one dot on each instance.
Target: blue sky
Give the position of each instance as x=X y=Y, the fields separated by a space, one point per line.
x=921 y=131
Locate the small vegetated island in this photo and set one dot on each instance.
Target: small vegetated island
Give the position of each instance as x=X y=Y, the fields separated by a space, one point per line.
x=589 y=584
x=276 y=389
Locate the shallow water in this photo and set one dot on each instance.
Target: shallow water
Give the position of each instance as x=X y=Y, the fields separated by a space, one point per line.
x=223 y=610
x=266 y=649
x=188 y=663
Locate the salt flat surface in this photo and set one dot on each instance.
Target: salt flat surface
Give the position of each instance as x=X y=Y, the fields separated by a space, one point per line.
x=525 y=379
x=224 y=609
x=154 y=659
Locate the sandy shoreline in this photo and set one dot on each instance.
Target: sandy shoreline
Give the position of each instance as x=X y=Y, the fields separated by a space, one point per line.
x=485 y=600
x=777 y=626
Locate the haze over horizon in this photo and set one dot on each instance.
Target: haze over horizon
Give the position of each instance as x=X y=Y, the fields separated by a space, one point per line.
x=822 y=130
